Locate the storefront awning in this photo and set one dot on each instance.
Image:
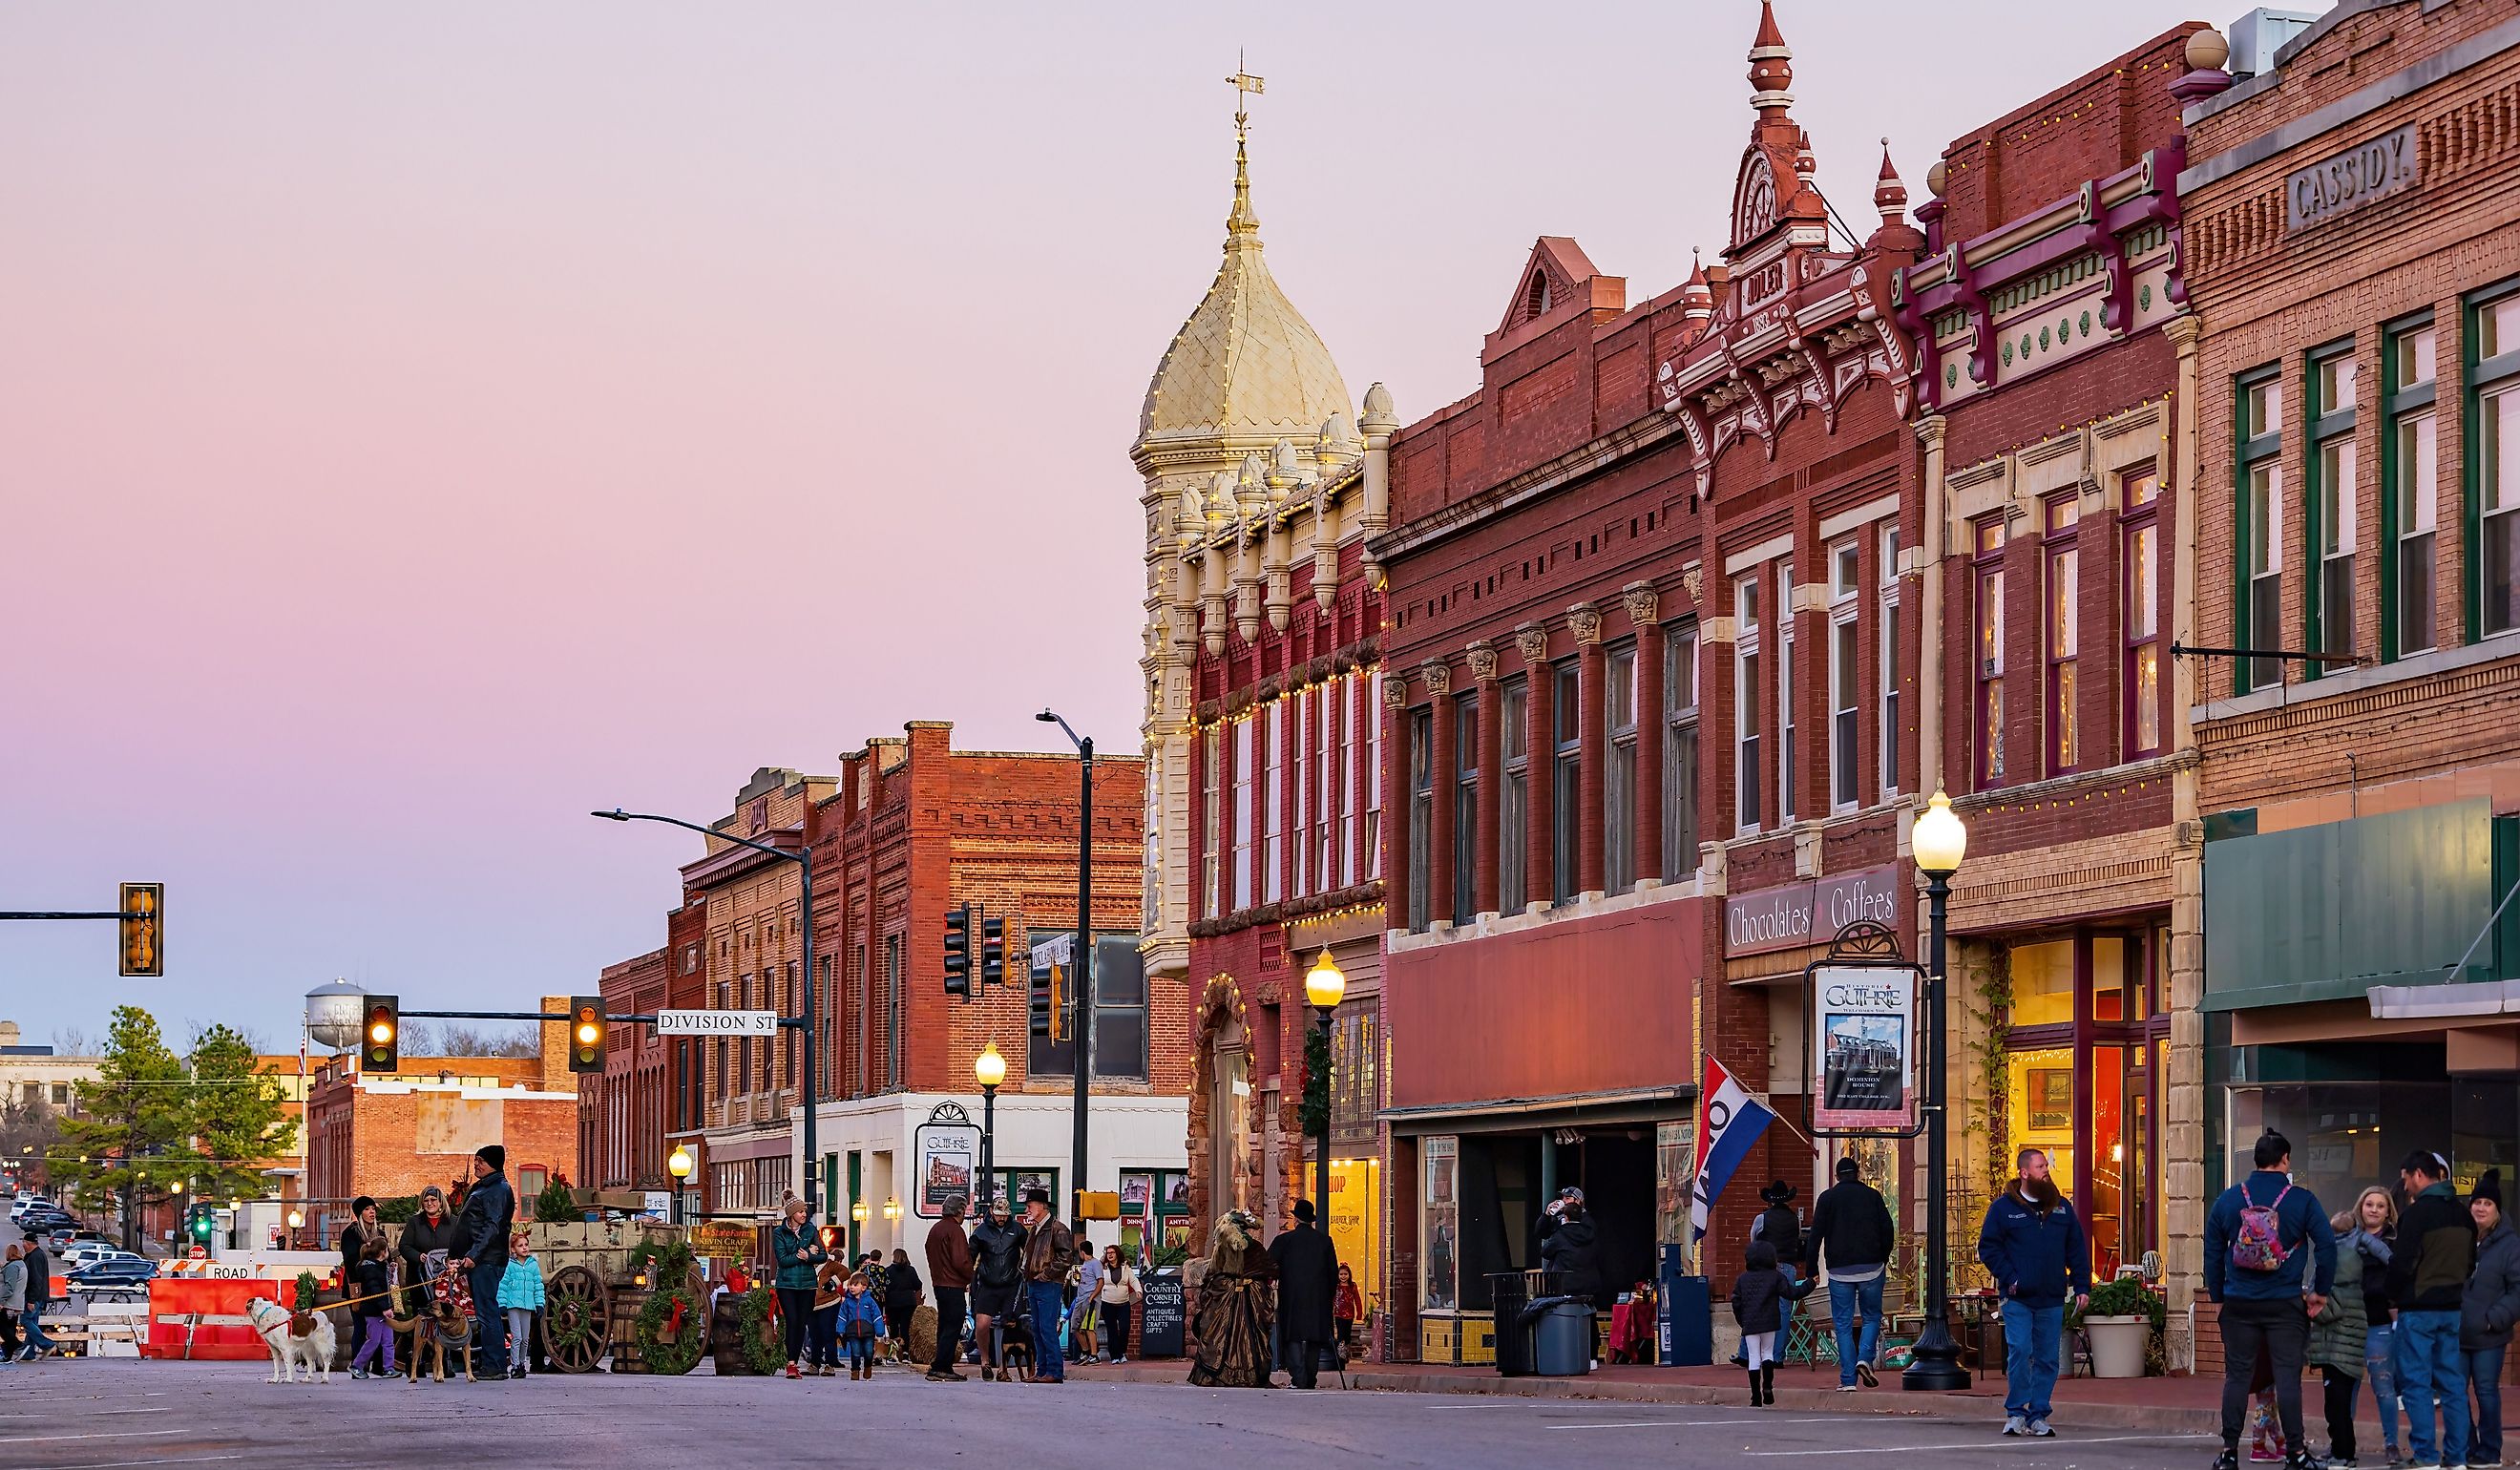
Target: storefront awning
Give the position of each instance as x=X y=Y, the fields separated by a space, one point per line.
x=2468 y=998
x=1632 y=1105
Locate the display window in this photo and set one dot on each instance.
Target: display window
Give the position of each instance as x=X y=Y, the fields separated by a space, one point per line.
x=1439 y=1226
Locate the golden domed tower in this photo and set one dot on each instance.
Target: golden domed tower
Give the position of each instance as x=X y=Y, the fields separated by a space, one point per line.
x=1243 y=375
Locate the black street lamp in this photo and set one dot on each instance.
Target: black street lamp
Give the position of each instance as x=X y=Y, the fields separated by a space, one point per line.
x=803 y=858
x=1080 y=965
x=989 y=1069
x=1326 y=986
x=680 y=1167
x=1939 y=841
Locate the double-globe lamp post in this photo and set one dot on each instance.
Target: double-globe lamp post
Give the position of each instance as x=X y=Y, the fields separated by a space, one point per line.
x=1939 y=840
x=1324 y=986
x=988 y=1069
x=803 y=858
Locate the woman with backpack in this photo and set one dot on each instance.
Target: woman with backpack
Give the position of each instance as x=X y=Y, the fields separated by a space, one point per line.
x=2270 y=1266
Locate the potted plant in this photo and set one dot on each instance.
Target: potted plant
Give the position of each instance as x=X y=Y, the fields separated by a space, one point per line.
x=2121 y=1320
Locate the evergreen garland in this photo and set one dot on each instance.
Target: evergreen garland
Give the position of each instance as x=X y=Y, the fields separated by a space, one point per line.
x=765 y=1348
x=680 y=1353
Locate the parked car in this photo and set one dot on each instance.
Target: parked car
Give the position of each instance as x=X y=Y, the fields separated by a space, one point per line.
x=84 y=1253
x=113 y=1275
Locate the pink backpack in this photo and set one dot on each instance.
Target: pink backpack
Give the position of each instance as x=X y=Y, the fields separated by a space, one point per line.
x=2259 y=1245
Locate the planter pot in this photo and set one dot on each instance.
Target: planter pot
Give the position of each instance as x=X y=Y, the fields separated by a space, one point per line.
x=2117 y=1345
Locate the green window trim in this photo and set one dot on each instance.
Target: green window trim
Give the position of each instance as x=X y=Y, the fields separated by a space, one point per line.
x=2323 y=425
x=2395 y=402
x=2480 y=374
x=2248 y=446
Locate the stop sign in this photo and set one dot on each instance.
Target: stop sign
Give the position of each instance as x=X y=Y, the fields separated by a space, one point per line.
x=200 y=1252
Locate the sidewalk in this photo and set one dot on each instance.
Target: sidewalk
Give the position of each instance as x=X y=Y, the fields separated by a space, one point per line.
x=2180 y=1405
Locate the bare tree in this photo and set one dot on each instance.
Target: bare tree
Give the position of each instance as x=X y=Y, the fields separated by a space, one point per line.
x=73 y=1041
x=455 y=1038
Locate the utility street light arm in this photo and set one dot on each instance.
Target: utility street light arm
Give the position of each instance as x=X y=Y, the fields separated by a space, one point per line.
x=618 y=815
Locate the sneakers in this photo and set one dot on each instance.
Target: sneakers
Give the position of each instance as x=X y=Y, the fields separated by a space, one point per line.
x=2303 y=1459
x=1846 y=1388
x=389 y=1374
x=358 y=1374
x=1117 y=1360
x=2040 y=1429
x=2228 y=1459
x=2014 y=1424
x=793 y=1371
x=516 y=1372
x=1863 y=1371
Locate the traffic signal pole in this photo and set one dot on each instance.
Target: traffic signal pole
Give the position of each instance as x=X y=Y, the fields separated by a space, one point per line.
x=1080 y=972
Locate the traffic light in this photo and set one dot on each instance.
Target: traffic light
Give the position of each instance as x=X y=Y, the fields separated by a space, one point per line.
x=142 y=954
x=957 y=952
x=380 y=1036
x=1049 y=1002
x=993 y=952
x=586 y=1033
x=1040 y=998
x=205 y=1224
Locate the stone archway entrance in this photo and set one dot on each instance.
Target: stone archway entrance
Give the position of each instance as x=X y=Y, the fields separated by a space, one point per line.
x=1223 y=1110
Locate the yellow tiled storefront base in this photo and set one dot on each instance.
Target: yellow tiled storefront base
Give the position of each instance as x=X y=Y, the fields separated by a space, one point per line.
x=1457 y=1340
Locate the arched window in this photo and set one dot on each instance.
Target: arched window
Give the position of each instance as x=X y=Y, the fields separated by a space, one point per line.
x=1536 y=301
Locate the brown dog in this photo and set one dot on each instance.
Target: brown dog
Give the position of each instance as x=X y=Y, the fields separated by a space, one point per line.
x=434 y=1334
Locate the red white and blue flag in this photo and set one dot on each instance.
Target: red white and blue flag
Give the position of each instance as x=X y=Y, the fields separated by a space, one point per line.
x=1729 y=1120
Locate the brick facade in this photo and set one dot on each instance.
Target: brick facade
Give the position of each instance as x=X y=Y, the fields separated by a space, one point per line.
x=623 y=1111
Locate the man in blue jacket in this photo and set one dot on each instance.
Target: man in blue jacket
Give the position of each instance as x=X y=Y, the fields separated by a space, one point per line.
x=2268 y=1289
x=2034 y=1245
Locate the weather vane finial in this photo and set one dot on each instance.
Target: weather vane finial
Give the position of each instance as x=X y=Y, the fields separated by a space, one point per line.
x=1245 y=86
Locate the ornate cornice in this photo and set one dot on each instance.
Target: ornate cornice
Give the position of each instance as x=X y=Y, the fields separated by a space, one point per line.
x=1531 y=640
x=1483 y=661
x=1583 y=620
x=1644 y=602
x=1438 y=676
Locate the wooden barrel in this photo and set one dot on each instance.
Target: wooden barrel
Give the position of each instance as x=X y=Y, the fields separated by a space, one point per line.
x=726 y=1335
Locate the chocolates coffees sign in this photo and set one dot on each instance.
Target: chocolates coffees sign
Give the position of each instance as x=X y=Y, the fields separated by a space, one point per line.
x=2358 y=176
x=1793 y=916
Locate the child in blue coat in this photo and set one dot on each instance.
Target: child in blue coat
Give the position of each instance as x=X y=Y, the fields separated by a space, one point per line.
x=520 y=1294
x=861 y=1322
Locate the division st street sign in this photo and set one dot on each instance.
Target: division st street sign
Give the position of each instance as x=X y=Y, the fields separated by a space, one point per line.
x=717 y=1023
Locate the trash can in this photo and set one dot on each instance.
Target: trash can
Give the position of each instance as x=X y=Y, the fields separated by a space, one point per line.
x=1688 y=1323
x=1562 y=1332
x=1512 y=1292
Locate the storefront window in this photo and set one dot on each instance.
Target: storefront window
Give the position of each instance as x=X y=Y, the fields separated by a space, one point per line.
x=1356 y=1195
x=2042 y=984
x=1675 y=1173
x=2041 y=1096
x=2344 y=1135
x=1440 y=1225
x=2104 y=1213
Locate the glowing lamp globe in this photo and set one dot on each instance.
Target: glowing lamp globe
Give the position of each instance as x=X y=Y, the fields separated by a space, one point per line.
x=1326 y=985
x=989 y=1067
x=1940 y=839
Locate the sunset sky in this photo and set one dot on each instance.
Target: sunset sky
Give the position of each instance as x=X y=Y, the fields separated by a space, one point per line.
x=422 y=424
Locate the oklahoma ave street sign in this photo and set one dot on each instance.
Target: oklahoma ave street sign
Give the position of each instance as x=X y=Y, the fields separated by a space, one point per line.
x=717 y=1023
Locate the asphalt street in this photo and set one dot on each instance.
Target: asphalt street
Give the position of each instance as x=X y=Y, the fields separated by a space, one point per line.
x=118 y=1412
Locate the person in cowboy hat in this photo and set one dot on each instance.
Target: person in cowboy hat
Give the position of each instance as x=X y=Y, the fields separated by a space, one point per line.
x=1778 y=1224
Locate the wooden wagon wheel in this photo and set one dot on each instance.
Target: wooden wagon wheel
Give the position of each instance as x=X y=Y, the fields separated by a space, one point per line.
x=576 y=1319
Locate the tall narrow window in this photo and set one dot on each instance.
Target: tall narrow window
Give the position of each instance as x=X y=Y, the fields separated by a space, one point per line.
x=2327 y=613
x=2261 y=510
x=1211 y=852
x=1371 y=716
x=1845 y=674
x=2139 y=492
x=2494 y=387
x=1889 y=642
x=2064 y=621
x=1619 y=769
x=1745 y=702
x=1679 y=751
x=1465 y=807
x=1988 y=664
x=1513 y=809
x=1325 y=784
x=1300 y=830
x=1354 y=713
x=1422 y=813
x=892 y=1012
x=2409 y=472
x=1566 y=796
x=1272 y=811
x=1245 y=731
x=1784 y=692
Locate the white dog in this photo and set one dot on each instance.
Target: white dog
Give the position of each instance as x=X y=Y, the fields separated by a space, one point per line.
x=289 y=1349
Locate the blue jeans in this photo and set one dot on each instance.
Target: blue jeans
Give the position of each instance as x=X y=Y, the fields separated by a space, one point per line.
x=823 y=1337
x=2380 y=1371
x=2484 y=1374
x=1844 y=1299
x=1048 y=1302
x=32 y=1322
x=2033 y=1349
x=2430 y=1366
x=489 y=1324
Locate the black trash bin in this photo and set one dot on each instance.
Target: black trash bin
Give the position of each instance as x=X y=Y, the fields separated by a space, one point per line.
x=1510 y=1292
x=1560 y=1332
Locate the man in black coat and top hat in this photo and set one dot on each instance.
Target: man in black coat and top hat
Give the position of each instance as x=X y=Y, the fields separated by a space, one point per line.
x=1306 y=1287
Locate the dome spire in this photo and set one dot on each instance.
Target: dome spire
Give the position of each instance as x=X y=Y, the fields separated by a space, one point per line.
x=1771 y=62
x=1242 y=224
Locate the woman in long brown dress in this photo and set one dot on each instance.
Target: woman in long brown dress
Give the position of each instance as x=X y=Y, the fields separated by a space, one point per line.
x=1234 y=1307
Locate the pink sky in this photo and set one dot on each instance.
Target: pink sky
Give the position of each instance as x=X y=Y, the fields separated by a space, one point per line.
x=419 y=426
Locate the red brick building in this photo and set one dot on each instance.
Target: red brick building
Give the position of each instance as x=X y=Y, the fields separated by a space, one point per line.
x=393 y=1134
x=907 y=827
x=1645 y=653
x=624 y=1112
x=2050 y=333
x=1264 y=812
x=2352 y=202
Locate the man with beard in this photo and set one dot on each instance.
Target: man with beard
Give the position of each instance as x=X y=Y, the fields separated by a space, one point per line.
x=2034 y=1246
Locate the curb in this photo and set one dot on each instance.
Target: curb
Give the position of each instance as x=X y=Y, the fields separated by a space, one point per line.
x=1890 y=1402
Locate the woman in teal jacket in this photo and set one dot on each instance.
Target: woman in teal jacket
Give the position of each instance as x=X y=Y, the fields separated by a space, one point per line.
x=798 y=1248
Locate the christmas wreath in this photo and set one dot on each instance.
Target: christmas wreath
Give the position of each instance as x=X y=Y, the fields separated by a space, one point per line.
x=567 y=1323
x=671 y=1332
x=765 y=1347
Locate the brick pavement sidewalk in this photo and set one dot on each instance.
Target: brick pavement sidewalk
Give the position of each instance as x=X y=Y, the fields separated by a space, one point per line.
x=2182 y=1403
